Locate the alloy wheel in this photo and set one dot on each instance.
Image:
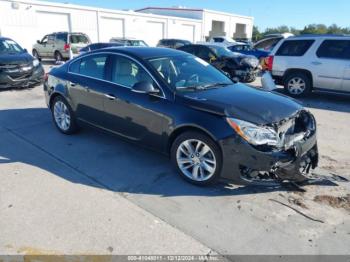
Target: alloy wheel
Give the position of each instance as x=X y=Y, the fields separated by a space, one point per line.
x=62 y=115
x=196 y=160
x=296 y=86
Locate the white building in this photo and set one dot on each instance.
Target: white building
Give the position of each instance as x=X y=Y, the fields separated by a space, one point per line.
x=26 y=21
x=214 y=23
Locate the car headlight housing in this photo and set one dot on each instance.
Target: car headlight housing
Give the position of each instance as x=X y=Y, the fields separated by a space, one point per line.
x=250 y=61
x=36 y=62
x=253 y=134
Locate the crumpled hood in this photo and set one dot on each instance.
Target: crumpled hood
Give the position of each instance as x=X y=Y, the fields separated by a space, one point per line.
x=243 y=102
x=15 y=59
x=243 y=60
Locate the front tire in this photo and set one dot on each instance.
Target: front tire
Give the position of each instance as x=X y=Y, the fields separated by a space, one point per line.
x=197 y=158
x=297 y=84
x=63 y=116
x=36 y=55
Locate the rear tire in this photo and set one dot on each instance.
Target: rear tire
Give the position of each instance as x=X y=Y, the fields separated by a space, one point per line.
x=197 y=158
x=297 y=84
x=58 y=57
x=63 y=116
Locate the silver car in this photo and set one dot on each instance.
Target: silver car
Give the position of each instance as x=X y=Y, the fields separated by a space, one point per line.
x=312 y=63
x=60 y=46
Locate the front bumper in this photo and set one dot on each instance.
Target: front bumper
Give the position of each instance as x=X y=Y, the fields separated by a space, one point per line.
x=239 y=156
x=247 y=75
x=36 y=77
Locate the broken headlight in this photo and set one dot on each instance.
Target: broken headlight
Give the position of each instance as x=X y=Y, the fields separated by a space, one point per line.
x=250 y=61
x=255 y=135
x=36 y=62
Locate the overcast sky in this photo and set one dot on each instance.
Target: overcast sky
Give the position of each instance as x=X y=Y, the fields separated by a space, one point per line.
x=268 y=13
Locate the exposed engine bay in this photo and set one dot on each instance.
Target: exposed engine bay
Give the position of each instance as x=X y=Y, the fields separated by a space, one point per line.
x=297 y=142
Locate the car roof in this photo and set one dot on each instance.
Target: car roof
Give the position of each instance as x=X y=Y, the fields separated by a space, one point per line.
x=174 y=39
x=4 y=38
x=208 y=44
x=107 y=43
x=143 y=52
x=319 y=36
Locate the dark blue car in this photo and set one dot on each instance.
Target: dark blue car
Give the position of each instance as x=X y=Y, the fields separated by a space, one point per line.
x=247 y=49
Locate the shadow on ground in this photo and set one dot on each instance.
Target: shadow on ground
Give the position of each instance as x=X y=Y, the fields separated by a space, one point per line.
x=331 y=102
x=99 y=159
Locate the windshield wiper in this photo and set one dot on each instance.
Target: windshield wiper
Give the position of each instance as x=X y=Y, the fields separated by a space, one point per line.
x=203 y=87
x=216 y=85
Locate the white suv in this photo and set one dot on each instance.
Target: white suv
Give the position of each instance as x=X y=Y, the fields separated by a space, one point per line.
x=307 y=63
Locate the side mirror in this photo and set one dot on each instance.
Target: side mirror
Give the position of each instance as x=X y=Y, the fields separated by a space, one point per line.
x=25 y=50
x=145 y=87
x=38 y=41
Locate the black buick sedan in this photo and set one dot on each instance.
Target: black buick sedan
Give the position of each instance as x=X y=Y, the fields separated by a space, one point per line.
x=180 y=105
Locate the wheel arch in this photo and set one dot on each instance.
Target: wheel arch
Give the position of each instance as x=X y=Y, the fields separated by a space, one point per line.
x=58 y=91
x=187 y=128
x=298 y=70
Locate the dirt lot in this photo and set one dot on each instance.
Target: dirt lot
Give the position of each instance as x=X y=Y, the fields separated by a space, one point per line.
x=93 y=193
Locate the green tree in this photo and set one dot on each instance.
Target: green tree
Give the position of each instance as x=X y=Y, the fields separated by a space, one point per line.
x=315 y=29
x=275 y=30
x=334 y=29
x=256 y=34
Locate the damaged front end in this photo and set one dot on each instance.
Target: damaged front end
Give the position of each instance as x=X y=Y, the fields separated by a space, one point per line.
x=282 y=151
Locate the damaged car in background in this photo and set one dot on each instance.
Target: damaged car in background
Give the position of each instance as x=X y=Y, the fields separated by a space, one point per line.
x=18 y=69
x=180 y=105
x=239 y=67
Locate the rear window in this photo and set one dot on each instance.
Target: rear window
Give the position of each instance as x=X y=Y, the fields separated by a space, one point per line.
x=78 y=39
x=338 y=49
x=218 y=39
x=91 y=66
x=268 y=44
x=294 y=47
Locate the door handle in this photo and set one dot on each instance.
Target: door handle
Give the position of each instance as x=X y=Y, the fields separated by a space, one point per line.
x=316 y=63
x=110 y=97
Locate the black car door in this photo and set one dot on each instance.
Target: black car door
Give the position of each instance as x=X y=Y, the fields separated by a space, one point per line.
x=137 y=116
x=88 y=77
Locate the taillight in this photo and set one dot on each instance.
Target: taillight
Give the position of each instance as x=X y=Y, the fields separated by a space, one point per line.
x=46 y=77
x=66 y=47
x=269 y=63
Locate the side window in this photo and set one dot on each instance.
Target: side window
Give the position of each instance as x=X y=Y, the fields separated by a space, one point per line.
x=237 y=48
x=61 y=38
x=93 y=66
x=127 y=73
x=294 y=47
x=337 y=49
x=75 y=67
x=204 y=53
x=188 y=49
x=51 y=39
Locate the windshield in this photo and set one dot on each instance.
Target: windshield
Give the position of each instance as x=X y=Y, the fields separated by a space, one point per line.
x=8 y=46
x=187 y=72
x=220 y=51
